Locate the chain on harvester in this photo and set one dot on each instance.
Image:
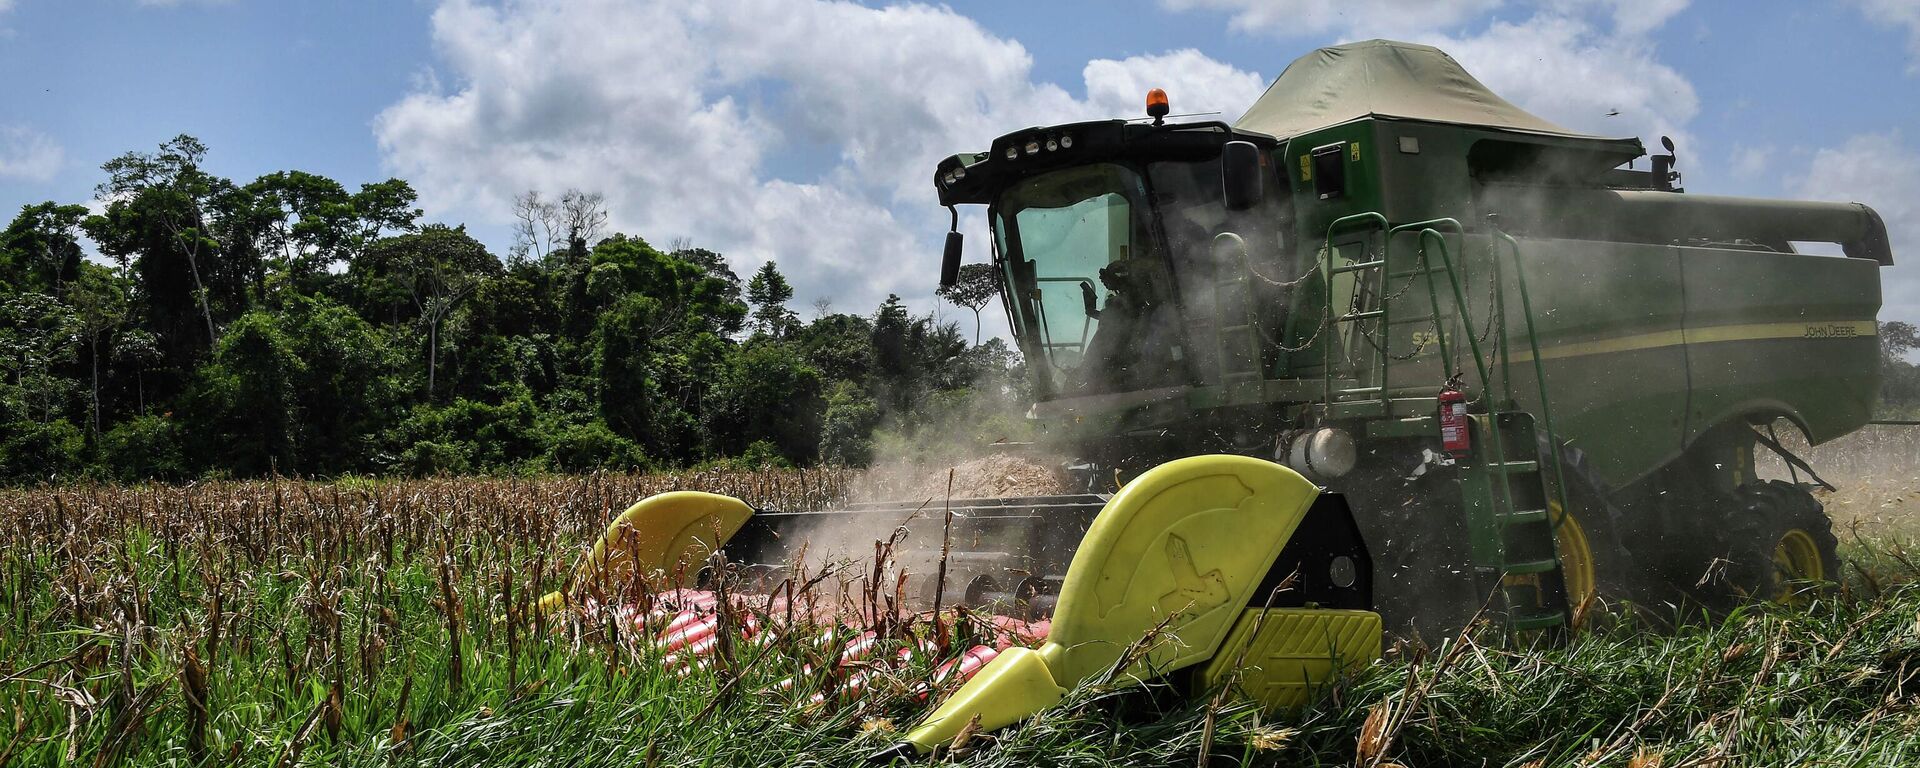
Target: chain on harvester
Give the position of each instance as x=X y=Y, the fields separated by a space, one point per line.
x=1357 y=305
x=1466 y=313
x=1246 y=262
x=1420 y=341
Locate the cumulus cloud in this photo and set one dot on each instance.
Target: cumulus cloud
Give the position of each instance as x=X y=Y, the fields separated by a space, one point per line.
x=1195 y=84
x=1883 y=171
x=1629 y=17
x=1750 y=163
x=1580 y=73
x=28 y=154
x=1391 y=18
x=1313 y=17
x=1897 y=13
x=803 y=132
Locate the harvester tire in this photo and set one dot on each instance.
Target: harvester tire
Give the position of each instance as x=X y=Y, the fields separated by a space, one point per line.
x=1779 y=544
x=1595 y=564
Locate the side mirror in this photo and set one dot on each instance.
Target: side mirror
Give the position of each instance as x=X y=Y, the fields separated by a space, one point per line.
x=950 y=265
x=1241 y=175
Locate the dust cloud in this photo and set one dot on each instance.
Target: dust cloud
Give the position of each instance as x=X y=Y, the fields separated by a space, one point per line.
x=993 y=475
x=1876 y=471
x=889 y=550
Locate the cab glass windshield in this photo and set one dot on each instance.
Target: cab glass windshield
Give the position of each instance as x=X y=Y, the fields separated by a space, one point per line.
x=1113 y=271
x=1080 y=257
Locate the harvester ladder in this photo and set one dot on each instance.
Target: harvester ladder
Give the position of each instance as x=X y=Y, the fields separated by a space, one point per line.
x=1237 y=335
x=1510 y=524
x=1503 y=490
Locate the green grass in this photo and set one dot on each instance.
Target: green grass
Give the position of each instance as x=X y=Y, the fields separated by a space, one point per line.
x=334 y=643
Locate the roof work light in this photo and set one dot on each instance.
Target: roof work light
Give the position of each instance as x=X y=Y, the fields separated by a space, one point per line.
x=1157 y=107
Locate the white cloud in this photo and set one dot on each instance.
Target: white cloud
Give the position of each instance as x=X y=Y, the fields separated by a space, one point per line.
x=1312 y=17
x=1750 y=163
x=1389 y=18
x=693 y=117
x=1576 y=71
x=1897 y=13
x=1883 y=171
x=28 y=154
x=1629 y=17
x=1194 y=84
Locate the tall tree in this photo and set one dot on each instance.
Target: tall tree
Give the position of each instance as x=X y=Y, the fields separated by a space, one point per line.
x=692 y=297
x=174 y=192
x=436 y=269
x=247 y=398
x=536 y=228
x=572 y=224
x=768 y=392
x=583 y=215
x=716 y=267
x=378 y=208
x=1899 y=378
x=100 y=308
x=892 y=327
x=36 y=340
x=312 y=224
x=977 y=285
x=841 y=346
x=40 y=249
x=769 y=293
x=658 y=344
x=302 y=217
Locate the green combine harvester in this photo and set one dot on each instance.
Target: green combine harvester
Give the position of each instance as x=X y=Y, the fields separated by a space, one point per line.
x=1386 y=354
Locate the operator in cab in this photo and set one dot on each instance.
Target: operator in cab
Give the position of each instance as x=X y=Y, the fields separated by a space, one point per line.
x=1130 y=349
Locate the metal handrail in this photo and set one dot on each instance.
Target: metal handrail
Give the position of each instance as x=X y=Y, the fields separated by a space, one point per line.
x=1388 y=231
x=1539 y=375
x=1433 y=292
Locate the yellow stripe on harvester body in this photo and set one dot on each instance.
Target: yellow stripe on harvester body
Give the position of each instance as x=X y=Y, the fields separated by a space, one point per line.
x=1839 y=329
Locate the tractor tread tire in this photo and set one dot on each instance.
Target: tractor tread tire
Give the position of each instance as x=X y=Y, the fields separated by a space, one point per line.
x=1615 y=575
x=1773 y=507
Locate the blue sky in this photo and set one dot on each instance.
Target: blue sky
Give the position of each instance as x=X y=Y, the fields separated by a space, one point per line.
x=805 y=131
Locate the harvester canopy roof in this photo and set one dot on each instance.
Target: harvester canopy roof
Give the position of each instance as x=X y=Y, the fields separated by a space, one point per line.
x=1392 y=80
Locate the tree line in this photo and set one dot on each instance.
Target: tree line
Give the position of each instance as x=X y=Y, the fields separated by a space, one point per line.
x=1899 y=376
x=293 y=325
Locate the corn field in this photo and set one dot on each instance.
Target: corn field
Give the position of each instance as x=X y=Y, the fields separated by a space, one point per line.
x=228 y=620
x=359 y=622
x=285 y=623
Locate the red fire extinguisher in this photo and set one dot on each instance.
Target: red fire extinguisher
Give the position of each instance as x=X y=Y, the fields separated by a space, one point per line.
x=1453 y=421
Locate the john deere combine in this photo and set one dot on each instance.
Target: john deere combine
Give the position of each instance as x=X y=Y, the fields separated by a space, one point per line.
x=1386 y=353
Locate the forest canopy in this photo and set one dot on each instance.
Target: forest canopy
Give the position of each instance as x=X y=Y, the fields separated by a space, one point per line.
x=292 y=325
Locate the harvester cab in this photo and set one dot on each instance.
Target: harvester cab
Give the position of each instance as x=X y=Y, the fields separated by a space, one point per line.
x=1385 y=355
x=1108 y=235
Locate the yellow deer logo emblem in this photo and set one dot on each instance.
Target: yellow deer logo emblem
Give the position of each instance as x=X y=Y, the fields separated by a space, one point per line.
x=1194 y=593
